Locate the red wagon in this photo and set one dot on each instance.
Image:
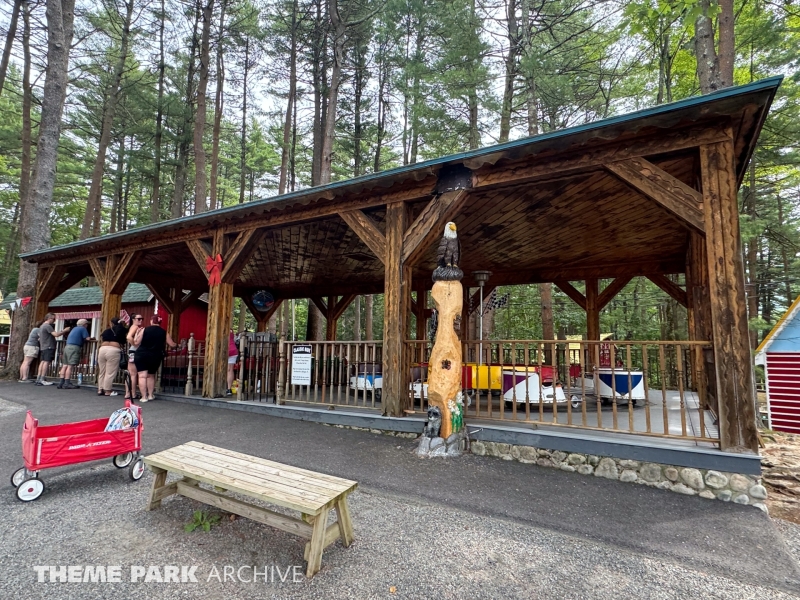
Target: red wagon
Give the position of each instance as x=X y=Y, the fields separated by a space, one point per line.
x=48 y=446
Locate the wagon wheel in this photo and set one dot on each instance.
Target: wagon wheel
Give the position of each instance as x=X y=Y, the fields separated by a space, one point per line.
x=19 y=476
x=576 y=402
x=30 y=489
x=137 y=469
x=123 y=460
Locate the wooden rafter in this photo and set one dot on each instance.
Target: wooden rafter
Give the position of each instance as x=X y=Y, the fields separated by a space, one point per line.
x=200 y=250
x=162 y=294
x=427 y=227
x=367 y=231
x=612 y=289
x=320 y=303
x=98 y=266
x=124 y=271
x=341 y=306
x=240 y=252
x=575 y=295
x=671 y=288
x=678 y=198
x=580 y=160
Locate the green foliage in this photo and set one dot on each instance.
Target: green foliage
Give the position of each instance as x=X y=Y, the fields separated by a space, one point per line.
x=201 y=520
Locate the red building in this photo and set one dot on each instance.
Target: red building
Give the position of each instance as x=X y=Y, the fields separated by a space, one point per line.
x=84 y=303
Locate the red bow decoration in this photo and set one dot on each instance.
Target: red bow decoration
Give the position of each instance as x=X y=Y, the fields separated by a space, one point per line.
x=214 y=268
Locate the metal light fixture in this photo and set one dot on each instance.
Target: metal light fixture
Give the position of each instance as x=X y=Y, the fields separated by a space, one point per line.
x=481 y=277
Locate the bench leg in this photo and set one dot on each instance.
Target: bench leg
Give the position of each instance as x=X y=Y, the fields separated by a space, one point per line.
x=158 y=482
x=345 y=524
x=317 y=543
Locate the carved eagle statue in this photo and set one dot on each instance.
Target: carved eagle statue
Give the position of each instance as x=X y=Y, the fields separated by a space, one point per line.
x=448 y=255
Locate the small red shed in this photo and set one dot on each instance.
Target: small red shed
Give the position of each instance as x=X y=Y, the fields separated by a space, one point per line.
x=779 y=354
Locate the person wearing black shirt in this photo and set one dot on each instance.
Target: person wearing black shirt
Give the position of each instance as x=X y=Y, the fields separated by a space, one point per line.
x=111 y=341
x=150 y=342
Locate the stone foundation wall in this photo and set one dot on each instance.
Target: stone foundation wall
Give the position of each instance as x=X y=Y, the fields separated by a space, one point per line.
x=713 y=485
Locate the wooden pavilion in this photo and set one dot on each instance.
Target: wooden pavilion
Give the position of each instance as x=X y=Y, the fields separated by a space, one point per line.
x=649 y=193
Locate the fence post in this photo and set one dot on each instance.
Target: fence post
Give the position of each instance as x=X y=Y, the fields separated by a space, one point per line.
x=242 y=362
x=281 y=369
x=189 y=353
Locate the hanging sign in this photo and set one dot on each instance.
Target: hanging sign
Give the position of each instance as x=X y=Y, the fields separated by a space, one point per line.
x=263 y=300
x=605 y=355
x=301 y=364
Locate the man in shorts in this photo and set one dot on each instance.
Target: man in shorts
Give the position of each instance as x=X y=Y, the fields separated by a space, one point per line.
x=47 y=347
x=72 y=354
x=30 y=351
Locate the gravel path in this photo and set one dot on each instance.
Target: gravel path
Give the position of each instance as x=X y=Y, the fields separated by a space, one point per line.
x=408 y=545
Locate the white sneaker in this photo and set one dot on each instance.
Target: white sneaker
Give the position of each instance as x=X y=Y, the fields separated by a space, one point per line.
x=113 y=394
x=143 y=400
x=47 y=383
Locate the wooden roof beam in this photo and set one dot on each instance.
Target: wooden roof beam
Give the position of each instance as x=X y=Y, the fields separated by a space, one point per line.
x=575 y=295
x=320 y=303
x=200 y=250
x=613 y=151
x=671 y=288
x=240 y=252
x=367 y=231
x=678 y=198
x=612 y=289
x=428 y=226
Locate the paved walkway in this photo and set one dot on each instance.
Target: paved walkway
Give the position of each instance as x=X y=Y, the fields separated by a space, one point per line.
x=474 y=527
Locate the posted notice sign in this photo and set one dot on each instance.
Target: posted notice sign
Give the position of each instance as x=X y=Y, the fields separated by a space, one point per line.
x=301 y=364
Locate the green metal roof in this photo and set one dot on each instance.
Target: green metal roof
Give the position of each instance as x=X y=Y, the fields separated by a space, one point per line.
x=90 y=296
x=698 y=105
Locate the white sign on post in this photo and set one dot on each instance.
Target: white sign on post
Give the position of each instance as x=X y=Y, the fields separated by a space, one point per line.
x=301 y=364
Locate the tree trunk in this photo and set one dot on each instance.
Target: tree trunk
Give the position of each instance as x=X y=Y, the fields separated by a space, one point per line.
x=12 y=33
x=35 y=224
x=93 y=215
x=290 y=104
x=339 y=37
x=530 y=79
x=243 y=142
x=155 y=201
x=183 y=147
x=200 y=116
x=715 y=61
x=511 y=70
x=357 y=319
x=368 y=303
x=219 y=100
x=116 y=206
x=10 y=258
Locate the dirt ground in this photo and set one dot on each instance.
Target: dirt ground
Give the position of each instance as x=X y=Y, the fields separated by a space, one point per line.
x=781 y=474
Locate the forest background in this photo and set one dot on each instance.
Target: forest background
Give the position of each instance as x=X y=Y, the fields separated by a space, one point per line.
x=175 y=107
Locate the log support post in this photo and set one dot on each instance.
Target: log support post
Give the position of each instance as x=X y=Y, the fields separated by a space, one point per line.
x=397 y=297
x=699 y=321
x=399 y=249
x=731 y=340
x=592 y=310
x=51 y=282
x=333 y=309
x=221 y=262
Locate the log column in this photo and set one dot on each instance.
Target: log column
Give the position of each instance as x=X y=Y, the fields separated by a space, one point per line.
x=333 y=310
x=233 y=256
x=400 y=248
x=592 y=311
x=397 y=297
x=727 y=302
x=699 y=320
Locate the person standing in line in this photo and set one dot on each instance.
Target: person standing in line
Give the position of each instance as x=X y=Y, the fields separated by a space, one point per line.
x=71 y=356
x=47 y=347
x=30 y=351
x=137 y=323
x=233 y=354
x=108 y=355
x=150 y=343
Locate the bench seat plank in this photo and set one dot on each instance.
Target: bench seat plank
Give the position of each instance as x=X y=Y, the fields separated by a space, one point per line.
x=275 y=472
x=286 y=486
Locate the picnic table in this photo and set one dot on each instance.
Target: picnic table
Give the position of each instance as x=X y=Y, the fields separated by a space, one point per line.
x=313 y=494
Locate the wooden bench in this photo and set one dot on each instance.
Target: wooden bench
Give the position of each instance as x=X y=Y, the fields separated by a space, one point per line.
x=312 y=494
